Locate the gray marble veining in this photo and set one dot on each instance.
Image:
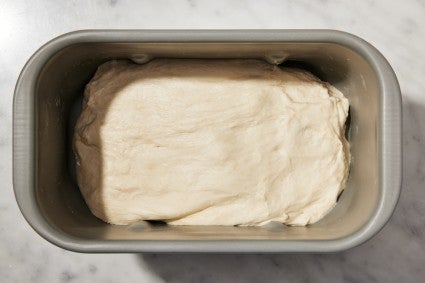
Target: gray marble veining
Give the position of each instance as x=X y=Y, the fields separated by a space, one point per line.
x=396 y=28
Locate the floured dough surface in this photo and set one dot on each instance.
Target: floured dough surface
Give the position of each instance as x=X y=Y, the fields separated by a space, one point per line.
x=210 y=142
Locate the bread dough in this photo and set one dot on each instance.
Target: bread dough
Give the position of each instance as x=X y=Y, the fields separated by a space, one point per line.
x=210 y=142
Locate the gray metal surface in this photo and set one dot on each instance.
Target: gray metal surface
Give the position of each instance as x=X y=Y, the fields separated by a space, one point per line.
x=54 y=78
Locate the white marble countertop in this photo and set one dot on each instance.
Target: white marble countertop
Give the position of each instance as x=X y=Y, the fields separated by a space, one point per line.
x=396 y=28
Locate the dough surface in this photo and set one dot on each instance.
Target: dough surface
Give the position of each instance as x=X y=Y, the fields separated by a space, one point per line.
x=210 y=142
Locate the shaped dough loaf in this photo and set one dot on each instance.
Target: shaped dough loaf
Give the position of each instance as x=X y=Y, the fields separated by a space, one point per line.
x=210 y=142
